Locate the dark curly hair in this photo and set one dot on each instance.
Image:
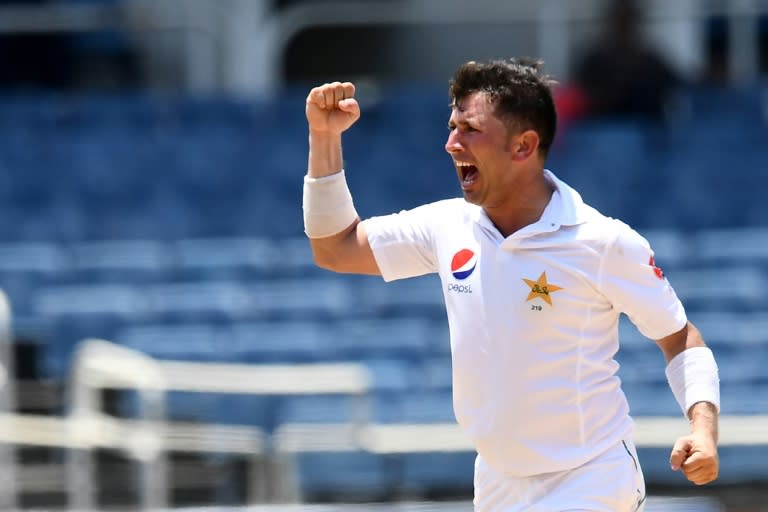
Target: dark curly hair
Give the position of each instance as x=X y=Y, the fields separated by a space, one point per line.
x=521 y=94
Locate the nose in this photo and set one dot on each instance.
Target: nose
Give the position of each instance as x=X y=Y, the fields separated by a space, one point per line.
x=453 y=145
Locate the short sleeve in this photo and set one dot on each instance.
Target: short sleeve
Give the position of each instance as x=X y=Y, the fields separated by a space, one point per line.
x=402 y=243
x=632 y=282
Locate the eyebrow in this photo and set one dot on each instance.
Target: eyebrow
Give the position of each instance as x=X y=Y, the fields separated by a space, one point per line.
x=455 y=122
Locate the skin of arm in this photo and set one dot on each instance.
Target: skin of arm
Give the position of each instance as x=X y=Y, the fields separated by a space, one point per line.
x=331 y=109
x=694 y=454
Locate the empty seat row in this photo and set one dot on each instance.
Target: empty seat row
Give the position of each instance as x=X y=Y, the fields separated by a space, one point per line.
x=222 y=167
x=740 y=250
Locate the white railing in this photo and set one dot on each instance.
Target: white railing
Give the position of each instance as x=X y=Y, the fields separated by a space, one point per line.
x=148 y=439
x=7 y=405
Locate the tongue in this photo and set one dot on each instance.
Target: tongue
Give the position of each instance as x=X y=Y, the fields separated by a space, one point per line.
x=470 y=173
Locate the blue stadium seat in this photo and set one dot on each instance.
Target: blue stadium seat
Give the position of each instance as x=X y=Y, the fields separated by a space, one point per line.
x=733 y=332
x=293 y=257
x=197 y=407
x=24 y=266
x=389 y=376
x=435 y=373
x=672 y=247
x=613 y=166
x=192 y=341
x=216 y=301
x=134 y=261
x=405 y=338
x=418 y=296
x=741 y=245
x=651 y=398
x=702 y=289
x=112 y=299
x=318 y=298
x=225 y=258
x=744 y=397
x=734 y=109
x=741 y=367
x=336 y=409
x=276 y=341
x=350 y=476
x=450 y=473
x=428 y=406
x=692 y=177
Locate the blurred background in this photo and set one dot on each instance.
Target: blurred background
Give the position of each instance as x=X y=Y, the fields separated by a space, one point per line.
x=165 y=339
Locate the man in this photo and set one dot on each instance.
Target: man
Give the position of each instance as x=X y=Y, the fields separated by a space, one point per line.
x=621 y=74
x=534 y=282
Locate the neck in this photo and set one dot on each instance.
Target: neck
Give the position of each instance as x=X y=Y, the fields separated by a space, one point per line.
x=524 y=207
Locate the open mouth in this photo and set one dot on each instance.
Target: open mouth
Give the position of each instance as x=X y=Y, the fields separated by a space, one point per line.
x=467 y=173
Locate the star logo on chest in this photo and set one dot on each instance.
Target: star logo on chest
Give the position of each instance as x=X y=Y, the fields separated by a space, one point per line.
x=541 y=288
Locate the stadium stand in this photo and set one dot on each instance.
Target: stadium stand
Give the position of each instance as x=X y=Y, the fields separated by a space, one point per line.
x=173 y=227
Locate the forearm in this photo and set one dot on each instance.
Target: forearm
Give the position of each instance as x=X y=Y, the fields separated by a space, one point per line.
x=325 y=156
x=692 y=373
x=704 y=418
x=329 y=213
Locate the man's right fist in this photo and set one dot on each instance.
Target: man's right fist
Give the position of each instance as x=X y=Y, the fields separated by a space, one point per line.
x=332 y=108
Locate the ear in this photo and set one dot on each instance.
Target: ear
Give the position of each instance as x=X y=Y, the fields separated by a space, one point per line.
x=526 y=145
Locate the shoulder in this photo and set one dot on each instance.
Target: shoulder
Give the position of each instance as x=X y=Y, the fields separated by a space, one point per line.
x=455 y=205
x=430 y=217
x=604 y=233
x=617 y=241
x=446 y=210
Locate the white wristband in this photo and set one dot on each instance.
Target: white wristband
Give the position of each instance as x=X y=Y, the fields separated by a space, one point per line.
x=328 y=206
x=693 y=377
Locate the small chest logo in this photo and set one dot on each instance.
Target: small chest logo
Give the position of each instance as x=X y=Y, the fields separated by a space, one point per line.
x=463 y=264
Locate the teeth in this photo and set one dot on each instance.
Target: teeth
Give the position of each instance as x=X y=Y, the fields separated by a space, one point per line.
x=462 y=164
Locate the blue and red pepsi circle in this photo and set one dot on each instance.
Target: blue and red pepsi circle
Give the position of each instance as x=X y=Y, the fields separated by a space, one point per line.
x=463 y=264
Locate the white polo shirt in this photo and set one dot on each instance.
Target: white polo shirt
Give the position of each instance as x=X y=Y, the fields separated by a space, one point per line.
x=534 y=322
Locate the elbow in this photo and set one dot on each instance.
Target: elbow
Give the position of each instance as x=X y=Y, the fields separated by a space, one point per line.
x=324 y=263
x=334 y=252
x=324 y=258
x=687 y=337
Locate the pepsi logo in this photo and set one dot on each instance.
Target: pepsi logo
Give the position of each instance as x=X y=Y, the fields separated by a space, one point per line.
x=463 y=264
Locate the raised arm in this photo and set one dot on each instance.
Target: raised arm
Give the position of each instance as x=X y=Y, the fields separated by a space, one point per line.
x=337 y=237
x=692 y=374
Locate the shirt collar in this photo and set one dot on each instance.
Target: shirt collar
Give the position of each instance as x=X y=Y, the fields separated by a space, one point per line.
x=565 y=208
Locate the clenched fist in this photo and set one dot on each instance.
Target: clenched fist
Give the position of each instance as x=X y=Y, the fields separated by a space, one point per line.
x=696 y=456
x=332 y=108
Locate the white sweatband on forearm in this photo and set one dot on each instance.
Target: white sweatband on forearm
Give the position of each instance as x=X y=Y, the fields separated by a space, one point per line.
x=692 y=374
x=328 y=206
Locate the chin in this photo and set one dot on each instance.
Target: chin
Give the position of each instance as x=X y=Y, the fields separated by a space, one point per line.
x=468 y=198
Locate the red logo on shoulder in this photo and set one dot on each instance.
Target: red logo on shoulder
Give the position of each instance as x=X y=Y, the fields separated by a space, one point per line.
x=656 y=270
